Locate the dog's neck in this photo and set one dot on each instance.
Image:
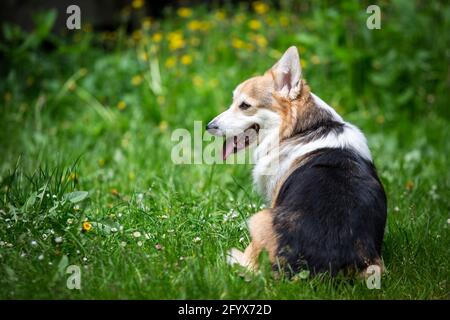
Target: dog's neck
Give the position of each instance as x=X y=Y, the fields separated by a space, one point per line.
x=300 y=115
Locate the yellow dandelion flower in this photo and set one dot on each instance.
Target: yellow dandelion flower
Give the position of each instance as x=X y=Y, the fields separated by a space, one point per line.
x=146 y=23
x=136 y=35
x=315 y=59
x=205 y=26
x=260 y=7
x=237 y=43
x=239 y=18
x=101 y=162
x=161 y=100
x=198 y=81
x=284 y=21
x=184 y=12
x=380 y=119
x=170 y=62
x=409 y=184
x=157 y=37
x=163 y=125
x=121 y=105
x=194 y=41
x=136 y=80
x=176 y=40
x=87 y=27
x=131 y=175
x=194 y=25
x=261 y=41
x=86 y=226
x=143 y=56
x=220 y=15
x=186 y=59
x=254 y=24
x=303 y=63
x=73 y=176
x=137 y=4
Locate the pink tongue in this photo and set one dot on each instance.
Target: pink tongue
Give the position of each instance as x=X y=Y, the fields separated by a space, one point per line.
x=233 y=144
x=228 y=147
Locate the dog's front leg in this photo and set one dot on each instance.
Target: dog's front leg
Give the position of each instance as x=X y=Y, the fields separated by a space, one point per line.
x=263 y=238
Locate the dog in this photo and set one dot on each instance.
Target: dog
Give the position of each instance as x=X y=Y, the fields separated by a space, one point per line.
x=328 y=206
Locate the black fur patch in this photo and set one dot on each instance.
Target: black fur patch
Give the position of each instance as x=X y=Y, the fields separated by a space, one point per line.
x=319 y=131
x=330 y=214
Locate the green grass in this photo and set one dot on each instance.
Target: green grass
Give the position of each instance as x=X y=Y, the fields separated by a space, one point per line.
x=63 y=132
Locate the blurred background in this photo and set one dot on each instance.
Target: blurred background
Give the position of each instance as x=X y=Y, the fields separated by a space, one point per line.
x=94 y=109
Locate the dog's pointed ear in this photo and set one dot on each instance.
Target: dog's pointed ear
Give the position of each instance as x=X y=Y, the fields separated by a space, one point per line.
x=287 y=74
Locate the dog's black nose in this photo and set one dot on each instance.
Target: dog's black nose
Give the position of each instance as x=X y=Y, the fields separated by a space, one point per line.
x=211 y=126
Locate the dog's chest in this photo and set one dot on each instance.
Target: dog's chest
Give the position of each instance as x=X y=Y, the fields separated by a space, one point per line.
x=270 y=167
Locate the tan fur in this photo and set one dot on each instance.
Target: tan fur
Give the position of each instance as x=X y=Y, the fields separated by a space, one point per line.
x=263 y=238
x=297 y=114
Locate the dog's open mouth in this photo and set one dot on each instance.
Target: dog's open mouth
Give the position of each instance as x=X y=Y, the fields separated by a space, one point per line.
x=241 y=141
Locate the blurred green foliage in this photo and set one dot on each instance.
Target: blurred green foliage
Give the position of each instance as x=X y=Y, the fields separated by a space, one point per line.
x=111 y=99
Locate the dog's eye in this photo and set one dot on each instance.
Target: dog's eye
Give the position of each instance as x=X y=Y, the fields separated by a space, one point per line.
x=244 y=106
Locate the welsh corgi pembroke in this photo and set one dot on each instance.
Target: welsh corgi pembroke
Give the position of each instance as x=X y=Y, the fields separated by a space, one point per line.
x=328 y=206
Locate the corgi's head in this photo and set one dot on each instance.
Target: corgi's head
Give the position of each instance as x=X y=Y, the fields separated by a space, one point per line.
x=258 y=103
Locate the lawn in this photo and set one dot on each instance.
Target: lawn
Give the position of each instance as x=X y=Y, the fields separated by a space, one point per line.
x=86 y=176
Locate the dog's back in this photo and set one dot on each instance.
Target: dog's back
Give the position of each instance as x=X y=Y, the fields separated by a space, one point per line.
x=330 y=213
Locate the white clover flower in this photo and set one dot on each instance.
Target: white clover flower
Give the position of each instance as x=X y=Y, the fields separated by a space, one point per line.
x=241 y=239
x=33 y=243
x=136 y=234
x=123 y=244
x=69 y=221
x=234 y=215
x=58 y=239
x=114 y=230
x=139 y=243
x=41 y=257
x=197 y=239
